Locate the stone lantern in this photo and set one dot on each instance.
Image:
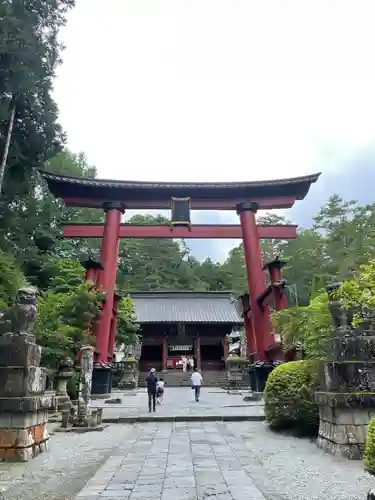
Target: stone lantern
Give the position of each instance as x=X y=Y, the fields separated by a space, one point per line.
x=64 y=374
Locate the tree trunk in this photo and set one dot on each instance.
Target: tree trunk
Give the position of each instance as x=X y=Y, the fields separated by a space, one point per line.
x=7 y=143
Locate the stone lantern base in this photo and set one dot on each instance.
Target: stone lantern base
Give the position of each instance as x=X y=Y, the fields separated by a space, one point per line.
x=129 y=374
x=23 y=404
x=343 y=422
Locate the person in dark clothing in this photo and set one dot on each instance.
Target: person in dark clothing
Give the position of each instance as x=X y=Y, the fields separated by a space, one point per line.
x=151 y=389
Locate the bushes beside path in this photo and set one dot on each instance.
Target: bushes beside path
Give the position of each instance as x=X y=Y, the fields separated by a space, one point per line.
x=289 y=398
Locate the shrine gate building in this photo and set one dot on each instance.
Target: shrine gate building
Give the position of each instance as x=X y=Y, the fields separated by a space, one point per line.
x=191 y=324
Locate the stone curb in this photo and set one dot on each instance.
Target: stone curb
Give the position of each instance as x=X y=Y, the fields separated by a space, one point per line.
x=80 y=430
x=185 y=418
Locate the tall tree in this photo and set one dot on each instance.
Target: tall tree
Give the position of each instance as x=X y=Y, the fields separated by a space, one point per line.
x=29 y=54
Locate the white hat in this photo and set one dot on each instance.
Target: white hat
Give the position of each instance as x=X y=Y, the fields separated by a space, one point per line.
x=152 y=370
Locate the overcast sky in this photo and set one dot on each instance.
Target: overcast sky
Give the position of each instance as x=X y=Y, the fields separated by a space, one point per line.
x=218 y=90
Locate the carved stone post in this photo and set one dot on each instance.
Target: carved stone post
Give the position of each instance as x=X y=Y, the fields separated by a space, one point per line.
x=87 y=365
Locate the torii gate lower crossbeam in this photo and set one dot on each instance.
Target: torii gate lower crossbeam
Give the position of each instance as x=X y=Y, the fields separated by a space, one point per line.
x=209 y=231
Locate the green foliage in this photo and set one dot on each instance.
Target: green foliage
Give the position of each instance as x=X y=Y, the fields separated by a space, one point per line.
x=11 y=279
x=357 y=294
x=369 y=456
x=310 y=327
x=126 y=328
x=63 y=319
x=289 y=398
x=63 y=274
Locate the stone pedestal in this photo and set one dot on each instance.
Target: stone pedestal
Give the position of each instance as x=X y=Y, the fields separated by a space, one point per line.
x=129 y=374
x=236 y=371
x=101 y=380
x=346 y=397
x=343 y=421
x=23 y=405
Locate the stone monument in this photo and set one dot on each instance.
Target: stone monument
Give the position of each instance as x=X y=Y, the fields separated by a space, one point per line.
x=23 y=404
x=236 y=363
x=346 y=397
x=129 y=374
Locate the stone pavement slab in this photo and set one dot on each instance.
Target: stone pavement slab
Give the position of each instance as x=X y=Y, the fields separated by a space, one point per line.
x=224 y=461
x=179 y=403
x=184 y=461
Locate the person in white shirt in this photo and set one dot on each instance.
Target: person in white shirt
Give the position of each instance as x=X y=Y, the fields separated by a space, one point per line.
x=184 y=363
x=160 y=391
x=196 y=383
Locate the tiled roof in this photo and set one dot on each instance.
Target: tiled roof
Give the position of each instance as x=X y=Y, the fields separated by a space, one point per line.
x=110 y=183
x=185 y=307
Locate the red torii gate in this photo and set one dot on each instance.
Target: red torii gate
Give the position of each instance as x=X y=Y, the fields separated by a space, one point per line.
x=114 y=197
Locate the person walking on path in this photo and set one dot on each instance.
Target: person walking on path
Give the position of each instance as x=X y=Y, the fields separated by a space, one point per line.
x=196 y=383
x=160 y=391
x=151 y=389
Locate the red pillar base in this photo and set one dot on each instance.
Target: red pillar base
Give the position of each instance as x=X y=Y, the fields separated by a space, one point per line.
x=112 y=332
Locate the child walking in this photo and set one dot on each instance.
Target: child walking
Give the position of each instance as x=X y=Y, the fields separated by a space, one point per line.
x=160 y=391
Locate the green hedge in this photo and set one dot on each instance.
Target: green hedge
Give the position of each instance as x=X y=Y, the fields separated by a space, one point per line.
x=370 y=448
x=289 y=398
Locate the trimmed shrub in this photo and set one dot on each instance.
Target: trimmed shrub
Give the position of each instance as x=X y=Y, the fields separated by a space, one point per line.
x=369 y=457
x=289 y=398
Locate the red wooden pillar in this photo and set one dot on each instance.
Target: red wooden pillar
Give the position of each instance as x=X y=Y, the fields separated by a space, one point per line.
x=248 y=325
x=107 y=277
x=164 y=354
x=92 y=268
x=274 y=268
x=250 y=337
x=225 y=350
x=112 y=332
x=255 y=275
x=198 y=352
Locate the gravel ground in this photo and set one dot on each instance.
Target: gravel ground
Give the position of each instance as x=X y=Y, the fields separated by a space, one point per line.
x=63 y=471
x=289 y=468
x=241 y=453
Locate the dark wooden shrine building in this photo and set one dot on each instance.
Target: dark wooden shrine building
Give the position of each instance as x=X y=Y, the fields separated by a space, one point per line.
x=191 y=324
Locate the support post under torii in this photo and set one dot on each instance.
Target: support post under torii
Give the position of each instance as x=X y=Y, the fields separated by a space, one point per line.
x=277 y=282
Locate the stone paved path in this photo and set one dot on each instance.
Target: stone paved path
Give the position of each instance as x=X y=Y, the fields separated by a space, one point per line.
x=185 y=461
x=180 y=402
x=223 y=461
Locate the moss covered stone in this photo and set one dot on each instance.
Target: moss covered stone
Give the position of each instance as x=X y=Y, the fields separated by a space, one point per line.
x=289 y=397
x=370 y=448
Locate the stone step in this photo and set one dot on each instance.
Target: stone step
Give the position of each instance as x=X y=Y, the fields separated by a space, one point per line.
x=181 y=379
